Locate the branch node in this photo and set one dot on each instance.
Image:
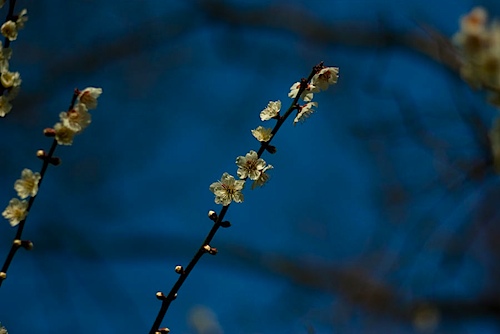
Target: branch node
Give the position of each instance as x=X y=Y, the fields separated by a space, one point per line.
x=210 y=250
x=51 y=160
x=225 y=224
x=26 y=244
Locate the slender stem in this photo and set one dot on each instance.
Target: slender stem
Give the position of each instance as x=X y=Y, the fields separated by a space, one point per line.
x=167 y=300
x=20 y=227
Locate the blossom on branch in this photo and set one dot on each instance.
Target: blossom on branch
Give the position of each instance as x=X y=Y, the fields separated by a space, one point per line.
x=64 y=135
x=227 y=190
x=262 y=134
x=16 y=211
x=27 y=185
x=5 y=106
x=272 y=110
x=89 y=96
x=304 y=112
x=76 y=119
x=263 y=177
x=250 y=166
x=306 y=95
x=325 y=77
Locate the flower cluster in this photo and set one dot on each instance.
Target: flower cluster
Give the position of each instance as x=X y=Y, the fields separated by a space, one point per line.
x=252 y=166
x=325 y=77
x=10 y=81
x=26 y=186
x=3 y=330
x=479 y=44
x=74 y=121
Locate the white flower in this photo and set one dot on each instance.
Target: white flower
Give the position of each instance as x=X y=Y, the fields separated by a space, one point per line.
x=304 y=112
x=5 y=54
x=77 y=119
x=263 y=177
x=227 y=189
x=10 y=79
x=21 y=19
x=262 y=134
x=5 y=106
x=250 y=166
x=16 y=211
x=64 y=135
x=272 y=110
x=326 y=77
x=306 y=95
x=27 y=185
x=9 y=30
x=89 y=96
x=3 y=330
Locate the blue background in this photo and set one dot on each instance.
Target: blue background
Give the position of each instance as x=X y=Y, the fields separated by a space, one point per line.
x=371 y=222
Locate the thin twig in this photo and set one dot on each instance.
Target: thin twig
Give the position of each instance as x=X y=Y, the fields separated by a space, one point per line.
x=184 y=273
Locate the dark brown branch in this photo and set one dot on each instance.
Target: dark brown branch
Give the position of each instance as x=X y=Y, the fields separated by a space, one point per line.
x=205 y=246
x=17 y=241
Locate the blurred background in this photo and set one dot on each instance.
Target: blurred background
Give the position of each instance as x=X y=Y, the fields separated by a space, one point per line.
x=381 y=213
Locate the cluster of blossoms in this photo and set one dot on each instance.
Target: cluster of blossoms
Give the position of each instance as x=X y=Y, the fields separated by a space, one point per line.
x=320 y=81
x=10 y=81
x=26 y=186
x=3 y=330
x=74 y=121
x=252 y=166
x=479 y=44
x=71 y=122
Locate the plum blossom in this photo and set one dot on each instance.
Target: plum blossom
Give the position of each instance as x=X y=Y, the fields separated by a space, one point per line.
x=5 y=106
x=304 y=112
x=76 y=119
x=27 y=185
x=16 y=211
x=89 y=96
x=272 y=110
x=250 y=166
x=262 y=134
x=306 y=95
x=64 y=135
x=263 y=177
x=325 y=77
x=227 y=189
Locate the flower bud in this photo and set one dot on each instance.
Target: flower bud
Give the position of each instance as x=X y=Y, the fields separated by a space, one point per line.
x=3 y=275
x=225 y=224
x=212 y=215
x=49 y=132
x=160 y=295
x=179 y=269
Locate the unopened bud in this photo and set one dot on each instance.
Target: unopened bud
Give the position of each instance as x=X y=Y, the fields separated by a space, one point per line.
x=271 y=149
x=56 y=161
x=163 y=330
x=49 y=132
x=212 y=215
x=225 y=224
x=160 y=295
x=40 y=153
x=179 y=269
x=3 y=275
x=210 y=250
x=27 y=244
